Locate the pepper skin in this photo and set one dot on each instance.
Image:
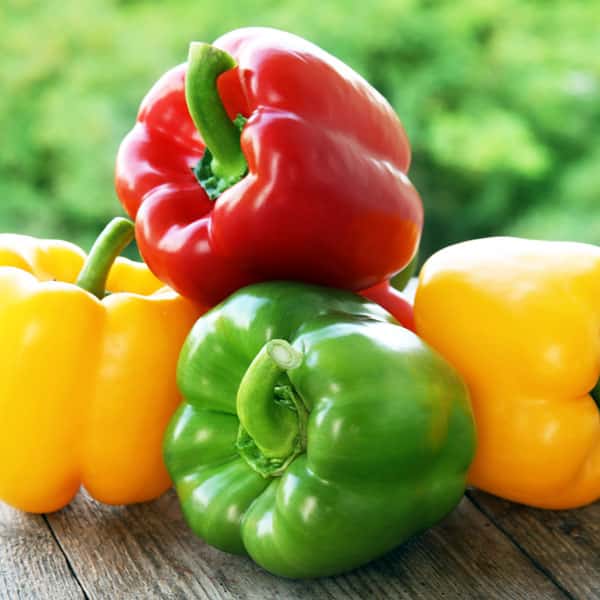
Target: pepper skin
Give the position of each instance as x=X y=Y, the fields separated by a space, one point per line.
x=87 y=386
x=315 y=434
x=325 y=199
x=520 y=320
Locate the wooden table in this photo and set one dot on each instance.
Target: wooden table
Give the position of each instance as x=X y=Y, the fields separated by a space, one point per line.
x=486 y=548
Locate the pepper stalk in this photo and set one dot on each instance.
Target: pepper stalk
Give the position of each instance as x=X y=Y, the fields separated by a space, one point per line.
x=113 y=239
x=272 y=415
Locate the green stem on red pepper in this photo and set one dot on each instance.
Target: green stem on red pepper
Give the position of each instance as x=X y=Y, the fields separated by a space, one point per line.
x=115 y=237
x=272 y=416
x=223 y=163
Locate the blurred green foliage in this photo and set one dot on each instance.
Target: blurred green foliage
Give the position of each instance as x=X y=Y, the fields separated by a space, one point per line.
x=501 y=101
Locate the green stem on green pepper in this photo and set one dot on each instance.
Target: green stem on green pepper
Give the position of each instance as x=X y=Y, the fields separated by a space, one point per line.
x=272 y=416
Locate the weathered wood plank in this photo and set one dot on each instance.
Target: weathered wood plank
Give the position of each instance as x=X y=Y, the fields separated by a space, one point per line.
x=566 y=544
x=146 y=551
x=32 y=565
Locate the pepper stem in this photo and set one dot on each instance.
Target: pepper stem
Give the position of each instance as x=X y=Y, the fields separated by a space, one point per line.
x=272 y=416
x=108 y=245
x=220 y=134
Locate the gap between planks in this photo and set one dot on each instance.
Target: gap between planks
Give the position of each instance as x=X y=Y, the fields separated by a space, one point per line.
x=66 y=557
x=562 y=544
x=31 y=563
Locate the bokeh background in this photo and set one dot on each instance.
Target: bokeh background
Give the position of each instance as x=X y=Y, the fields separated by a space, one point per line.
x=501 y=101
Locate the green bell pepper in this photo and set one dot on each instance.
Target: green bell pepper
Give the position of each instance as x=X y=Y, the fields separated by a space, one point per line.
x=316 y=434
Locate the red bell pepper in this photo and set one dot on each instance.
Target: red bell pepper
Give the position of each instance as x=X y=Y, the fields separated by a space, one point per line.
x=315 y=189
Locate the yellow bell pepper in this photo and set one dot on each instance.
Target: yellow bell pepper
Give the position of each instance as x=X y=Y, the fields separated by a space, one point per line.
x=87 y=382
x=520 y=320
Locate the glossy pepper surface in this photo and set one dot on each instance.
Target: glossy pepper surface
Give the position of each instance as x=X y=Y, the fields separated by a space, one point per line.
x=87 y=383
x=520 y=320
x=394 y=301
x=315 y=434
x=314 y=190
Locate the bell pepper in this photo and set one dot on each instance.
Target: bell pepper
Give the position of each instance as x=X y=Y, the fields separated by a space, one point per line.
x=520 y=320
x=315 y=433
x=87 y=379
x=315 y=189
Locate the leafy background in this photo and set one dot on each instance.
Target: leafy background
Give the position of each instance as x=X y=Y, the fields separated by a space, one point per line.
x=501 y=101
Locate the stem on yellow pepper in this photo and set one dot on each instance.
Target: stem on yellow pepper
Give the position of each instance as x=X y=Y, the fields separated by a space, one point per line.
x=115 y=237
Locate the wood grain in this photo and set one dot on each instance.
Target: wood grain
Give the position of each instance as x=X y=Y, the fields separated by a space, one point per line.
x=32 y=566
x=566 y=544
x=146 y=551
